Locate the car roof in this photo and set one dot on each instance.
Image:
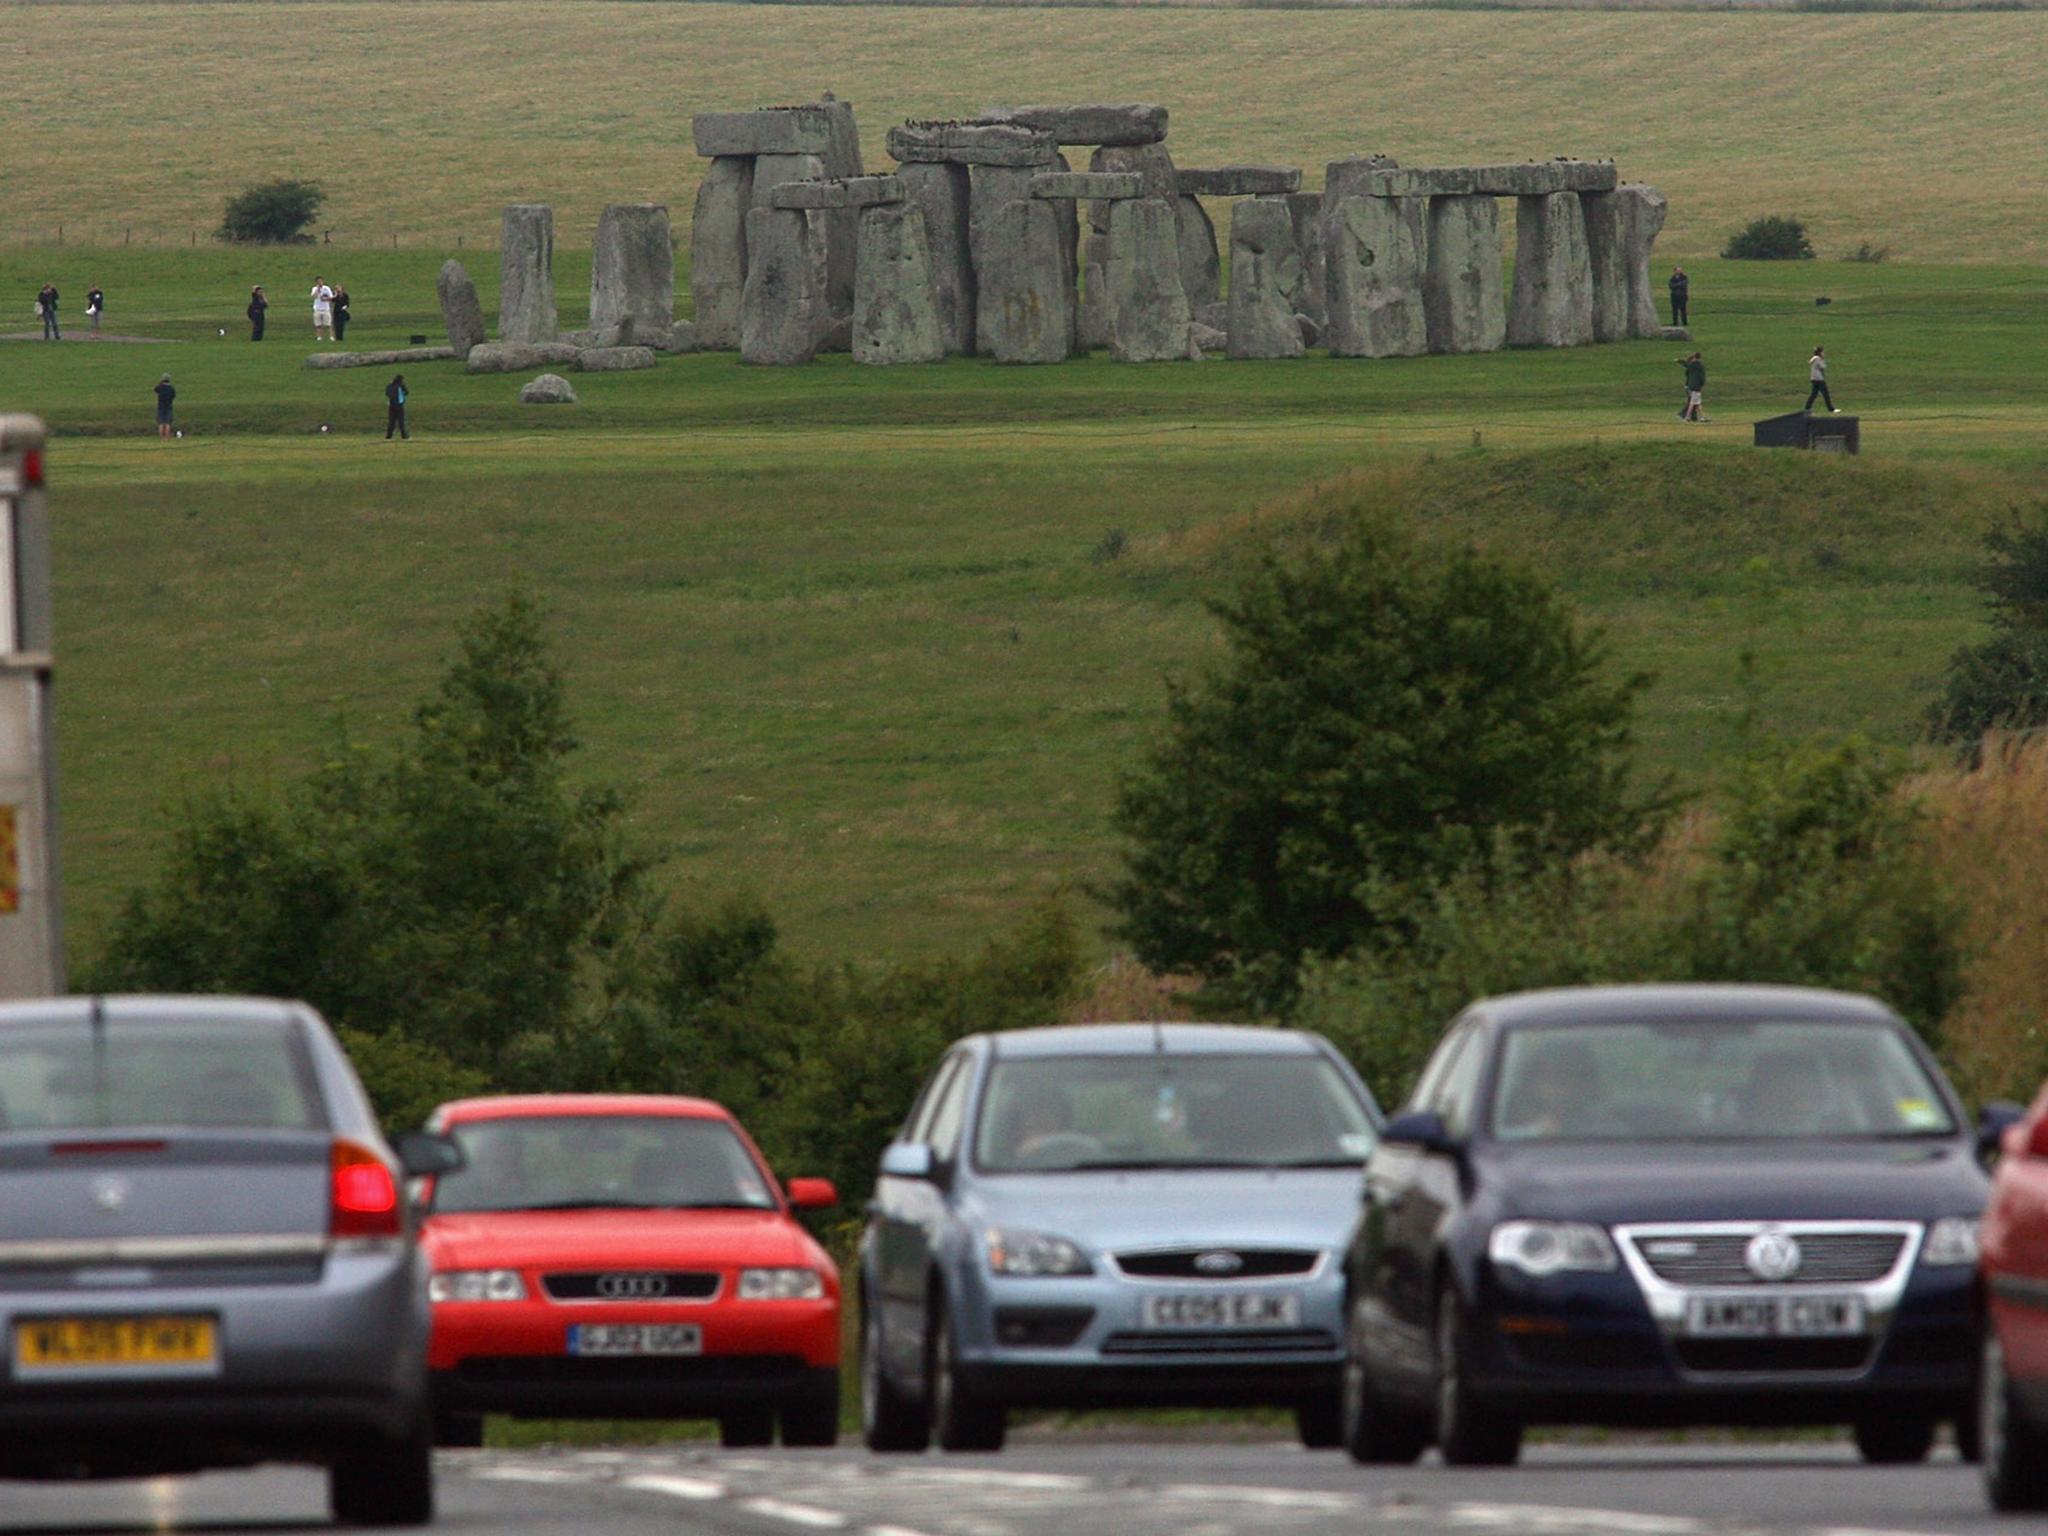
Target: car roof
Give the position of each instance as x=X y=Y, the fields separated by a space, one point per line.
x=507 y=1106
x=1680 y=1003
x=145 y=1007
x=1144 y=1039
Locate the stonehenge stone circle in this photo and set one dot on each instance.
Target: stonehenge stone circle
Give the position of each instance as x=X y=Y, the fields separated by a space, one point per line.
x=1148 y=308
x=783 y=310
x=1265 y=274
x=461 y=313
x=718 y=249
x=1024 y=307
x=614 y=359
x=517 y=356
x=633 y=275
x=1201 y=269
x=1375 y=278
x=1551 y=304
x=804 y=130
x=1306 y=209
x=1152 y=163
x=1241 y=181
x=971 y=144
x=1086 y=185
x=1535 y=178
x=1088 y=123
x=1607 y=261
x=940 y=191
x=1464 y=309
x=854 y=192
x=526 y=263
x=1642 y=216
x=894 y=317
x=548 y=389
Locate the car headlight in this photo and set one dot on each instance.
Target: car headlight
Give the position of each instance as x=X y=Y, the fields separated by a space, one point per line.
x=476 y=1285
x=1951 y=1240
x=1015 y=1252
x=1550 y=1247
x=781 y=1285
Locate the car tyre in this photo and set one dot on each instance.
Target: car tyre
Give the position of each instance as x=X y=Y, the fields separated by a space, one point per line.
x=1468 y=1433
x=1372 y=1430
x=745 y=1428
x=459 y=1431
x=387 y=1483
x=960 y=1420
x=1895 y=1442
x=1319 y=1422
x=889 y=1421
x=2015 y=1448
x=812 y=1421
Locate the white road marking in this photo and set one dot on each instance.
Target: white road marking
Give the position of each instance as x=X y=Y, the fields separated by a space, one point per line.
x=517 y=1474
x=1268 y=1498
x=1552 y=1517
x=696 y=1489
x=808 y=1515
x=891 y=1530
x=1024 y=1482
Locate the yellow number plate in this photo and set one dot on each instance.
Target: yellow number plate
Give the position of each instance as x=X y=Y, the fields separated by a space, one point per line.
x=57 y=1345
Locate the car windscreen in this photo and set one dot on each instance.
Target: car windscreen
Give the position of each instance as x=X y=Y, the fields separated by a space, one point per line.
x=1067 y=1113
x=591 y=1162
x=229 y=1073
x=1714 y=1081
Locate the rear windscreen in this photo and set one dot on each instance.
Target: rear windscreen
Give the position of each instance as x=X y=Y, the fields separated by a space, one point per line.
x=129 y=1072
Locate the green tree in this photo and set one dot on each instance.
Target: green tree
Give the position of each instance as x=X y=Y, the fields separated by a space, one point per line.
x=2001 y=684
x=275 y=213
x=1772 y=238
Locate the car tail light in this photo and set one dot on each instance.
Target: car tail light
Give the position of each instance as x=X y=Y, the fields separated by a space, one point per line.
x=365 y=1195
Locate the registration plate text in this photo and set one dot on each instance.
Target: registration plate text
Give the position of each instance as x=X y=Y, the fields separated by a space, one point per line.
x=636 y=1339
x=1228 y=1309
x=1774 y=1316
x=61 y=1346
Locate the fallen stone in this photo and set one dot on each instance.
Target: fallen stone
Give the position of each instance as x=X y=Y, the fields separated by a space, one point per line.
x=548 y=389
x=381 y=359
x=614 y=359
x=1265 y=271
x=853 y=192
x=1241 y=181
x=971 y=144
x=517 y=356
x=682 y=337
x=1674 y=333
x=1086 y=186
x=1642 y=216
x=894 y=317
x=1201 y=269
x=718 y=250
x=1207 y=338
x=1089 y=123
x=526 y=265
x=1024 y=310
x=1306 y=209
x=1551 y=303
x=1534 y=178
x=1152 y=163
x=941 y=193
x=461 y=313
x=1607 y=259
x=1148 y=306
x=803 y=130
x=1376 y=265
x=783 y=312
x=1462 y=300
x=633 y=274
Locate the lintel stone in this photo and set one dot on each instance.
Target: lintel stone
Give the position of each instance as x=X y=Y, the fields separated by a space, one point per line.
x=1535 y=178
x=1090 y=186
x=1089 y=122
x=847 y=192
x=769 y=131
x=971 y=144
x=1241 y=181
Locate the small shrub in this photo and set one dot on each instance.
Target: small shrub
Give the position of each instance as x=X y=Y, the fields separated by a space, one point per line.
x=2001 y=684
x=1112 y=546
x=1870 y=254
x=275 y=213
x=1773 y=238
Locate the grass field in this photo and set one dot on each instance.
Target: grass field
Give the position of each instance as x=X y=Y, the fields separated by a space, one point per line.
x=1918 y=132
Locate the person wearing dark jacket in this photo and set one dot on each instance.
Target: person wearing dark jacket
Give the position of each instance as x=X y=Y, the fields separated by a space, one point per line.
x=395 y=392
x=1695 y=389
x=257 y=305
x=340 y=312
x=46 y=306
x=165 y=394
x=1681 y=291
x=95 y=306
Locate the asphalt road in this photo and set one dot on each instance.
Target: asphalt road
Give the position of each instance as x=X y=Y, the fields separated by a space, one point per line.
x=1077 y=1485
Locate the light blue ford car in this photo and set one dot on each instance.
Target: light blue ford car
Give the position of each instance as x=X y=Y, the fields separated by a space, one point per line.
x=1113 y=1216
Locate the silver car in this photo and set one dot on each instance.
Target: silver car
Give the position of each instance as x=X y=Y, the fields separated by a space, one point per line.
x=206 y=1255
x=1113 y=1215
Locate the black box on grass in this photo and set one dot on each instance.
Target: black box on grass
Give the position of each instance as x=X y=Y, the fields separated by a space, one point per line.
x=1803 y=429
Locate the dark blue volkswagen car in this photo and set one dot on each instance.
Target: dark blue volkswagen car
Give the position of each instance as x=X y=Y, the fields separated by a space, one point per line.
x=1666 y=1205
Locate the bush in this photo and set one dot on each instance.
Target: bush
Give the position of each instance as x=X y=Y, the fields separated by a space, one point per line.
x=2001 y=684
x=275 y=213
x=1769 y=239
x=1869 y=254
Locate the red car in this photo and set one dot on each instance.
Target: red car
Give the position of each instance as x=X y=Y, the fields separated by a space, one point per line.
x=612 y=1256
x=2015 y=1376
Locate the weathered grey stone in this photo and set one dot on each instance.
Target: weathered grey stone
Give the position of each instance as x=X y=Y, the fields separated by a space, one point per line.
x=1092 y=323
x=461 y=313
x=1306 y=209
x=1089 y=123
x=1535 y=178
x=1148 y=307
x=1551 y=304
x=1206 y=338
x=783 y=313
x=615 y=359
x=718 y=250
x=548 y=389
x=1024 y=309
x=682 y=337
x=1311 y=330
x=1241 y=181
x=854 y=192
x=1086 y=185
x=1674 y=333
x=1265 y=271
x=894 y=317
x=1642 y=216
x=1607 y=259
x=517 y=356
x=1462 y=299
x=1348 y=177
x=526 y=261
x=1152 y=163
x=771 y=131
x=971 y=144
x=834 y=237
x=1341 y=179
x=941 y=192
x=1201 y=269
x=842 y=225
x=633 y=274
x=1216 y=316
x=1375 y=278
x=772 y=172
x=380 y=359
x=1069 y=214
x=842 y=146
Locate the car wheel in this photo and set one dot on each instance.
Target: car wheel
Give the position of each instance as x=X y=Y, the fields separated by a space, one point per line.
x=744 y=1428
x=888 y=1420
x=1894 y=1442
x=459 y=1431
x=1374 y=1431
x=387 y=1483
x=2015 y=1449
x=813 y=1420
x=1467 y=1432
x=960 y=1420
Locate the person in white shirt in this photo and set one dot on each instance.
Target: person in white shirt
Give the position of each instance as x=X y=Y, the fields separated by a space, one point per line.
x=323 y=310
x=1817 y=375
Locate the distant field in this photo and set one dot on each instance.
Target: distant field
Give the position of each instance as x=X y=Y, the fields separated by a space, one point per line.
x=1918 y=132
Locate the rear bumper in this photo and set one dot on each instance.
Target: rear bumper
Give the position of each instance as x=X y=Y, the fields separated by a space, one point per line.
x=560 y=1387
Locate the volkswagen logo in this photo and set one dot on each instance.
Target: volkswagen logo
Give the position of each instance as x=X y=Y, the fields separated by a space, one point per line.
x=110 y=1192
x=632 y=1287
x=1772 y=1256
x=1220 y=1262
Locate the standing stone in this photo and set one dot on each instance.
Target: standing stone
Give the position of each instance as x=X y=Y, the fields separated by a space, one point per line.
x=772 y=171
x=1069 y=215
x=842 y=226
x=1093 y=311
x=1201 y=272
x=1376 y=266
x=1153 y=165
x=1462 y=300
x=460 y=311
x=1607 y=257
x=1025 y=299
x=1148 y=308
x=1552 y=301
x=1265 y=274
x=718 y=250
x=782 y=312
x=990 y=190
x=1642 y=216
x=941 y=192
x=633 y=275
x=894 y=317
x=1306 y=209
x=526 y=260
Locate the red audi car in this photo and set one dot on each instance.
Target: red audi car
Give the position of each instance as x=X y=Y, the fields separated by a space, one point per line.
x=610 y=1256
x=2015 y=1375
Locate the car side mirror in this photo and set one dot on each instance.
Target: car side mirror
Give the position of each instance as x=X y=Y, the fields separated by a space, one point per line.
x=1423 y=1128
x=908 y=1160
x=812 y=1194
x=426 y=1155
x=1993 y=1121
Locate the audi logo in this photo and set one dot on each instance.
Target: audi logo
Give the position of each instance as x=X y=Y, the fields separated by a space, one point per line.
x=632 y=1287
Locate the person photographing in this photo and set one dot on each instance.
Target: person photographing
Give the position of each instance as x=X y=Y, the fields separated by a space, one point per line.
x=1817 y=380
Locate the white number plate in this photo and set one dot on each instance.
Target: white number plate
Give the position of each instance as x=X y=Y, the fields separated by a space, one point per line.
x=1223 y=1309
x=636 y=1339
x=1775 y=1315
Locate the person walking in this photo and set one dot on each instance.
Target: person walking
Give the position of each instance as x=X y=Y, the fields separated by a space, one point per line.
x=46 y=306
x=1681 y=292
x=257 y=305
x=394 y=420
x=165 y=394
x=341 y=312
x=1695 y=388
x=323 y=310
x=1817 y=376
x=95 y=306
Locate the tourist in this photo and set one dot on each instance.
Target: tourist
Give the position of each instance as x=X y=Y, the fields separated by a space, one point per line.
x=46 y=306
x=257 y=305
x=1681 y=287
x=340 y=312
x=1817 y=376
x=323 y=310
x=394 y=421
x=1695 y=388
x=95 y=305
x=165 y=394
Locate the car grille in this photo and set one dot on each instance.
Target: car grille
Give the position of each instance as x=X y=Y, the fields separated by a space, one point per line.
x=1826 y=1258
x=1261 y=1341
x=646 y=1285
x=1763 y=1356
x=1253 y=1263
